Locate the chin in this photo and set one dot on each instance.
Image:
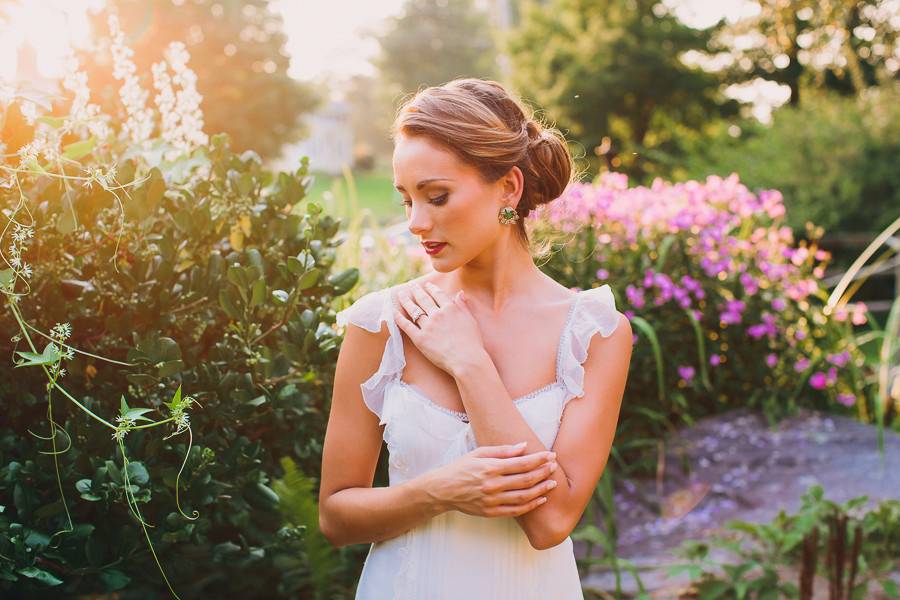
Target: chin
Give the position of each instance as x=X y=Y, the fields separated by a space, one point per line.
x=442 y=266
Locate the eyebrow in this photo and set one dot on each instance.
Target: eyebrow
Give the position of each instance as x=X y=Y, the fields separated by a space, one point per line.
x=422 y=183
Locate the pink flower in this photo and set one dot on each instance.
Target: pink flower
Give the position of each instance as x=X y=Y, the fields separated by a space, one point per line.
x=779 y=304
x=818 y=380
x=635 y=296
x=846 y=399
x=771 y=360
x=602 y=273
x=859 y=314
x=715 y=360
x=801 y=364
x=839 y=360
x=686 y=372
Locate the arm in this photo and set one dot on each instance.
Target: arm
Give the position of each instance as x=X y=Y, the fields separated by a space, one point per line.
x=585 y=433
x=351 y=511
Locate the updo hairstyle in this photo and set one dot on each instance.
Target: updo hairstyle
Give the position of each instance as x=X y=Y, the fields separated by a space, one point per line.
x=485 y=127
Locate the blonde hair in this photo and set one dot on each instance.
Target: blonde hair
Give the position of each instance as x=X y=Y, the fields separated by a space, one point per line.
x=486 y=127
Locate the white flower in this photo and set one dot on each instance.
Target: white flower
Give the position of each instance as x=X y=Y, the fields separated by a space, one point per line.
x=29 y=110
x=139 y=123
x=61 y=331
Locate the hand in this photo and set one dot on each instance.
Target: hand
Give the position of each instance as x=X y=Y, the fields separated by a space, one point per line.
x=447 y=334
x=493 y=481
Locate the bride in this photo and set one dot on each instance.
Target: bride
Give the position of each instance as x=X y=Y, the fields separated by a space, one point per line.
x=497 y=401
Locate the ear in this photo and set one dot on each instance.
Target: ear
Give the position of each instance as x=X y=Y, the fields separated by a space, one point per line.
x=512 y=185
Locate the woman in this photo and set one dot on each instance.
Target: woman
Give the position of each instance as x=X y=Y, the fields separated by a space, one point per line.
x=465 y=362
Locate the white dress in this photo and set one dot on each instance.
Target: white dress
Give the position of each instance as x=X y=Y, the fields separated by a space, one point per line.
x=454 y=555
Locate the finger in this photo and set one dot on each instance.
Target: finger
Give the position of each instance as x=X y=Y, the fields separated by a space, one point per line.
x=407 y=326
x=500 y=451
x=423 y=298
x=522 y=481
x=522 y=496
x=511 y=510
x=440 y=296
x=522 y=464
x=408 y=303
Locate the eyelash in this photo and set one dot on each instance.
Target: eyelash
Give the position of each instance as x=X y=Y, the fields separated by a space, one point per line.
x=436 y=201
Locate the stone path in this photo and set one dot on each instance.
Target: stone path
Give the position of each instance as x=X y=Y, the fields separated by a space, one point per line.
x=741 y=469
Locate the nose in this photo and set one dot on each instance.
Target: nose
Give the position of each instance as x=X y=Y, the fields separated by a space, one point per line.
x=419 y=221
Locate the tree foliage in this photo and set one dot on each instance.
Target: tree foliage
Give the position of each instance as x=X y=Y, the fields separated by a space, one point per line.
x=237 y=52
x=608 y=72
x=430 y=43
x=840 y=45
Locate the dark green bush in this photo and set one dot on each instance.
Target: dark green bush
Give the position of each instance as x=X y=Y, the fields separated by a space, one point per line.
x=219 y=288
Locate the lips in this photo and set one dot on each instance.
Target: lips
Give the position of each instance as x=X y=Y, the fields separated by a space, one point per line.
x=433 y=247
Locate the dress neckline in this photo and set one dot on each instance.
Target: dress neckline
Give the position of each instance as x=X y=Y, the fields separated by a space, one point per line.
x=464 y=417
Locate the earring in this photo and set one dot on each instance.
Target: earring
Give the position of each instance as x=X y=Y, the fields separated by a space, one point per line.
x=508 y=215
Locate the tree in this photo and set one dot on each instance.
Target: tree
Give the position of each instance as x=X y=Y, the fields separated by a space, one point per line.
x=608 y=72
x=842 y=45
x=237 y=52
x=431 y=43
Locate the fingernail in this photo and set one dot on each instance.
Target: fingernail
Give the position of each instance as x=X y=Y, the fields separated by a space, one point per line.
x=542 y=499
x=552 y=484
x=551 y=456
x=520 y=445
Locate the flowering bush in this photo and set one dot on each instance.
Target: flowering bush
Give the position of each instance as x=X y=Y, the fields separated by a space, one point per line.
x=154 y=282
x=726 y=308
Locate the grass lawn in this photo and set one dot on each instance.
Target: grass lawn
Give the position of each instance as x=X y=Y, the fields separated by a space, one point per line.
x=373 y=190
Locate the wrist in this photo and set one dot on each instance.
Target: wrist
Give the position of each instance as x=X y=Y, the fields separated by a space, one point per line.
x=428 y=496
x=470 y=365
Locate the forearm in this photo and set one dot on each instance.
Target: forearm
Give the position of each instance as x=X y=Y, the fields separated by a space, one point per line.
x=363 y=515
x=495 y=420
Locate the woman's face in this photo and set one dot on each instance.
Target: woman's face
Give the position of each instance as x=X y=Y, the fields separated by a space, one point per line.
x=448 y=201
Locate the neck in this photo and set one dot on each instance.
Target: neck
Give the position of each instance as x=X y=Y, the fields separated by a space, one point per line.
x=498 y=276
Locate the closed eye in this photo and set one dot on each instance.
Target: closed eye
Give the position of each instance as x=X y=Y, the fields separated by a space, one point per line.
x=435 y=201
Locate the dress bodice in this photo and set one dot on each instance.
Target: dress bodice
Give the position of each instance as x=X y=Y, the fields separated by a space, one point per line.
x=421 y=434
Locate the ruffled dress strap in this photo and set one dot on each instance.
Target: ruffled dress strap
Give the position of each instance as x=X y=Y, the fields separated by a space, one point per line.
x=368 y=312
x=594 y=310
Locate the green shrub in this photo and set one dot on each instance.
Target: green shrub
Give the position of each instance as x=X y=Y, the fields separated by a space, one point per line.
x=833 y=158
x=167 y=311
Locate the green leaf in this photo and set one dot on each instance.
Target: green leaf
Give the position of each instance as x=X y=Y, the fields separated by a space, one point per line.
x=48 y=357
x=258 y=293
x=54 y=122
x=308 y=279
x=701 y=348
x=228 y=304
x=648 y=330
x=258 y=401
x=114 y=579
x=79 y=149
x=41 y=575
x=6 y=279
x=136 y=414
x=137 y=473
x=176 y=399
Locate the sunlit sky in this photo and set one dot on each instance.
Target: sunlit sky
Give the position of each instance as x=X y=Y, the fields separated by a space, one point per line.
x=328 y=40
